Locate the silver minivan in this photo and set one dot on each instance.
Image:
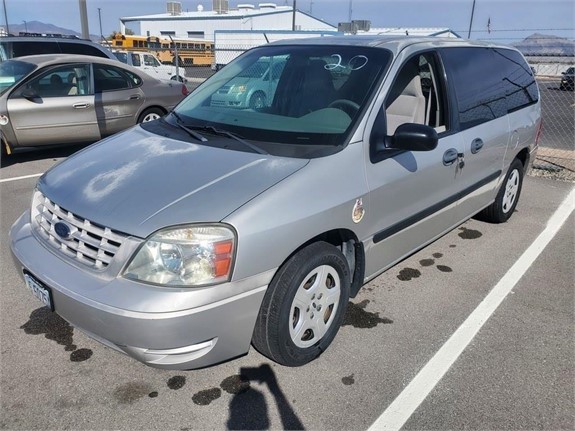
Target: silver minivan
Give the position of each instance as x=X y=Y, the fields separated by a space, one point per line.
x=183 y=241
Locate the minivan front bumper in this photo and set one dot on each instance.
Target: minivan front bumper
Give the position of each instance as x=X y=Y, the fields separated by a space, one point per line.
x=168 y=337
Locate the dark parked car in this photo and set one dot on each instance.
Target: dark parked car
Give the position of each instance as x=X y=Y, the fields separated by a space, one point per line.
x=31 y=44
x=59 y=99
x=567 y=79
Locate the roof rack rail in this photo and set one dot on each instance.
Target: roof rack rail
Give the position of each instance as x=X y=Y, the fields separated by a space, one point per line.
x=64 y=36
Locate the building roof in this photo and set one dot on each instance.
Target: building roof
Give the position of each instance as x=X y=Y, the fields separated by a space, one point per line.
x=212 y=14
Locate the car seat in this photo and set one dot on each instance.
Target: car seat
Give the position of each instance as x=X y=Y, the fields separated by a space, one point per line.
x=407 y=107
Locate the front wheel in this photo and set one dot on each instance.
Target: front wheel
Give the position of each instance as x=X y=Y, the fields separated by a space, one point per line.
x=501 y=210
x=304 y=306
x=258 y=100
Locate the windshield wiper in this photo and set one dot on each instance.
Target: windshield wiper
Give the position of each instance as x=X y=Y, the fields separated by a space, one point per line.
x=219 y=132
x=192 y=133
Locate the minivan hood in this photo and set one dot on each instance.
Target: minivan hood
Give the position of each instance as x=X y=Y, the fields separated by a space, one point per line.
x=137 y=182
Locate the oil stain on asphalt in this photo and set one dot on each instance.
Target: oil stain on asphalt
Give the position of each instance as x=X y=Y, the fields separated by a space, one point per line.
x=203 y=398
x=131 y=392
x=469 y=233
x=235 y=384
x=426 y=262
x=44 y=321
x=176 y=382
x=407 y=274
x=357 y=317
x=349 y=380
x=444 y=268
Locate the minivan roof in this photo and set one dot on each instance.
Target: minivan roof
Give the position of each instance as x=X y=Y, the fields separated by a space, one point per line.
x=394 y=43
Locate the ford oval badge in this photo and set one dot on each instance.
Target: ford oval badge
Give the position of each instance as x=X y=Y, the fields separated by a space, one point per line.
x=62 y=230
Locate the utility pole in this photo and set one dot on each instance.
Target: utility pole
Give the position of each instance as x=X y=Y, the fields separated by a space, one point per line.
x=293 y=17
x=350 y=11
x=84 y=19
x=100 y=20
x=471 y=20
x=25 y=26
x=6 y=16
x=310 y=7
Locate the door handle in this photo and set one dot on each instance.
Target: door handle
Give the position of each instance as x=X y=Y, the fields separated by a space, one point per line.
x=476 y=145
x=134 y=97
x=450 y=156
x=81 y=105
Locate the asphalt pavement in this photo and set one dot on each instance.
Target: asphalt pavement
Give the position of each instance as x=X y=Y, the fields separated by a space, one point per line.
x=516 y=373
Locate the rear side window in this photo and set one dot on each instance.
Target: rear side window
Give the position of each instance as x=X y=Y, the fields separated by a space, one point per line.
x=110 y=78
x=82 y=49
x=488 y=83
x=20 y=49
x=521 y=89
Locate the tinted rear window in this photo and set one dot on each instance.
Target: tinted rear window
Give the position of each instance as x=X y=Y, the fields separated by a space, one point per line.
x=488 y=83
x=82 y=49
x=20 y=49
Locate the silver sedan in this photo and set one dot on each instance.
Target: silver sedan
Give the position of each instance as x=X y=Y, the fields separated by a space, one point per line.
x=60 y=99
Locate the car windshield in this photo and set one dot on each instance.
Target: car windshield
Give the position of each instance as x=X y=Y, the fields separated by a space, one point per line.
x=122 y=56
x=294 y=100
x=12 y=72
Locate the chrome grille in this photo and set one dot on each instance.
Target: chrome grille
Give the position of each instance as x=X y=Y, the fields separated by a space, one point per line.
x=88 y=243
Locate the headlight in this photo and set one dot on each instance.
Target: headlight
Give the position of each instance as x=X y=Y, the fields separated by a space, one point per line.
x=238 y=89
x=185 y=257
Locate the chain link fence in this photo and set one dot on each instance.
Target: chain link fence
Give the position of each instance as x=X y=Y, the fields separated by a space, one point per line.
x=556 y=155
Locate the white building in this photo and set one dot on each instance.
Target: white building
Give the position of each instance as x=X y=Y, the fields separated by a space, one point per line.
x=203 y=23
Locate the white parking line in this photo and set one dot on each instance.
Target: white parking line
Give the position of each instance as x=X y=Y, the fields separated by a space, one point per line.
x=7 y=180
x=401 y=409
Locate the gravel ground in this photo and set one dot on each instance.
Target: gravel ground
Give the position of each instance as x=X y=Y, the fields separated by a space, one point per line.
x=548 y=170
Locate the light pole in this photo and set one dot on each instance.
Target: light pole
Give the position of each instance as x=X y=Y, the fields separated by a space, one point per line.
x=471 y=20
x=100 y=20
x=25 y=26
x=6 y=16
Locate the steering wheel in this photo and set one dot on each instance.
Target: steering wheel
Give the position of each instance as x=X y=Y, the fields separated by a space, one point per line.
x=347 y=106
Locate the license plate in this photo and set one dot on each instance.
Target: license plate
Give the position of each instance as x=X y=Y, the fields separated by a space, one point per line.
x=39 y=290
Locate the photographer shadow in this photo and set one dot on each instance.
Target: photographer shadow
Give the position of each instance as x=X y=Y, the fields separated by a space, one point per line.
x=248 y=408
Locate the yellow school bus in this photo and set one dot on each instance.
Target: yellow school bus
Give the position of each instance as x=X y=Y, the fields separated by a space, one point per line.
x=191 y=52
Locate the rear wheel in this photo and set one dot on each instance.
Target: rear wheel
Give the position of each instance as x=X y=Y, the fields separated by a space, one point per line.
x=150 y=114
x=304 y=306
x=501 y=210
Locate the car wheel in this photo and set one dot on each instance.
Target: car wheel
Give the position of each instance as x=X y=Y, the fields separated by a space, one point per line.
x=304 y=306
x=258 y=100
x=150 y=114
x=507 y=197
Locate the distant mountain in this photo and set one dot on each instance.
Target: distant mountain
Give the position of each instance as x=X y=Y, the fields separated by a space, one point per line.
x=41 y=27
x=546 y=45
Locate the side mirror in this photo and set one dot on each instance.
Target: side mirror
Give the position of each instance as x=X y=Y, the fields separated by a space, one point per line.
x=414 y=137
x=29 y=93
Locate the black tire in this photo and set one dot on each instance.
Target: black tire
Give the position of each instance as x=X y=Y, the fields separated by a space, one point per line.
x=501 y=210
x=149 y=113
x=282 y=319
x=258 y=100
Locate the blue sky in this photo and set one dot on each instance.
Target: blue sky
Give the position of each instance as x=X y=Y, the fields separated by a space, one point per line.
x=511 y=20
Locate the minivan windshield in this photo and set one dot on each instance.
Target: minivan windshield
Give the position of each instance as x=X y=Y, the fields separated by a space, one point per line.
x=12 y=72
x=305 y=106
